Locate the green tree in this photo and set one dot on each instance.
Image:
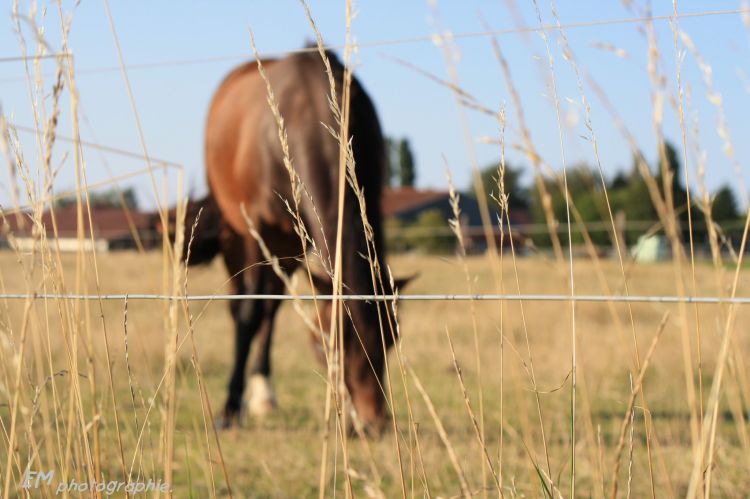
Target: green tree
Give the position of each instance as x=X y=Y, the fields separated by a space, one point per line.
x=587 y=196
x=407 y=172
x=517 y=193
x=110 y=198
x=394 y=238
x=581 y=179
x=725 y=211
x=629 y=194
x=429 y=234
x=671 y=163
x=724 y=208
x=619 y=181
x=400 y=168
x=638 y=202
x=635 y=200
x=391 y=162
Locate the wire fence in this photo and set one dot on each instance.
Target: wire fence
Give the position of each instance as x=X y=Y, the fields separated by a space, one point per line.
x=432 y=38
x=519 y=229
x=673 y=299
x=101 y=147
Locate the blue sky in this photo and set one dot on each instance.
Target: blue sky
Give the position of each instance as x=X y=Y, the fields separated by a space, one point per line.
x=172 y=99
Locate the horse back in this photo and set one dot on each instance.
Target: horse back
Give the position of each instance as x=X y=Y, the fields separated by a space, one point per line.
x=244 y=158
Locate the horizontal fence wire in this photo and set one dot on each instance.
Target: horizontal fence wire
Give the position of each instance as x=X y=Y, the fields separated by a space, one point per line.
x=541 y=228
x=742 y=300
x=101 y=147
x=433 y=38
x=23 y=58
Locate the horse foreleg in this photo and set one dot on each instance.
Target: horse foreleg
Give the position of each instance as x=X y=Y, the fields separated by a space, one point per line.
x=262 y=400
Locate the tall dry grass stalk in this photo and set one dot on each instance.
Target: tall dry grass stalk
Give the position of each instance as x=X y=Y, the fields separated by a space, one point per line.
x=530 y=151
x=455 y=224
x=571 y=278
x=628 y=419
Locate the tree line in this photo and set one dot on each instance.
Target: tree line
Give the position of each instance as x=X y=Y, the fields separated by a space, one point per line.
x=400 y=167
x=110 y=198
x=628 y=194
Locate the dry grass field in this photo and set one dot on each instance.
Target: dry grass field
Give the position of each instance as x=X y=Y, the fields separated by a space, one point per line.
x=281 y=455
x=486 y=398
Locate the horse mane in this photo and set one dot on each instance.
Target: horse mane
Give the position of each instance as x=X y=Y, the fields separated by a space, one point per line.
x=312 y=49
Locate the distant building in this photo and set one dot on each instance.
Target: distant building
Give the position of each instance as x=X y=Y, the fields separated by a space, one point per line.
x=652 y=248
x=113 y=228
x=406 y=204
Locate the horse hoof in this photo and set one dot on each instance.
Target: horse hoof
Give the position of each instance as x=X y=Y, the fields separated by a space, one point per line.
x=262 y=399
x=228 y=420
x=261 y=408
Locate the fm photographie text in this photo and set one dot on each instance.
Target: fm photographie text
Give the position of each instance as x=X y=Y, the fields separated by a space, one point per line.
x=36 y=479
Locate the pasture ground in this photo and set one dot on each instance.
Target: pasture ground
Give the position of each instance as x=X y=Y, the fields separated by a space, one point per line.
x=281 y=456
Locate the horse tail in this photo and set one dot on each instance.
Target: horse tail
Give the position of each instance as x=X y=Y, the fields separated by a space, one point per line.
x=204 y=243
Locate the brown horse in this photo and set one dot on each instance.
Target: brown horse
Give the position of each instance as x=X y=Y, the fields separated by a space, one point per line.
x=244 y=162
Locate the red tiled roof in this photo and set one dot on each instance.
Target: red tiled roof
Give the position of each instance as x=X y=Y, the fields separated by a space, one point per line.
x=395 y=201
x=108 y=222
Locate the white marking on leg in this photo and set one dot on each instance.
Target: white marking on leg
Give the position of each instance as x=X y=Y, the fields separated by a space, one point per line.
x=262 y=399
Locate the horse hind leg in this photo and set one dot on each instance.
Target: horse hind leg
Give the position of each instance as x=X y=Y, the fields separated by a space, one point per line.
x=262 y=397
x=248 y=318
x=262 y=400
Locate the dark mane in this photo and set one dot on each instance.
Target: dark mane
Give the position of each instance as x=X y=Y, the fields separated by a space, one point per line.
x=311 y=47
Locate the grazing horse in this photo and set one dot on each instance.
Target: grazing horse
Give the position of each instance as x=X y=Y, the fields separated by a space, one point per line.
x=246 y=172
